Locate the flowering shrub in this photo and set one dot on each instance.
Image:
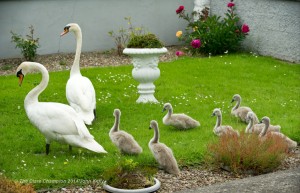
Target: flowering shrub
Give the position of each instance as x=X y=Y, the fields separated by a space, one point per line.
x=211 y=34
x=27 y=45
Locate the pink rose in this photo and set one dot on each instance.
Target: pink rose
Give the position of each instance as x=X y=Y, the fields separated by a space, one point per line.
x=180 y=9
x=230 y=4
x=196 y=43
x=179 y=53
x=245 y=28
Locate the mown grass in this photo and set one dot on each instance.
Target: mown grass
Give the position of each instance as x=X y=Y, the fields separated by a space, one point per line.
x=194 y=86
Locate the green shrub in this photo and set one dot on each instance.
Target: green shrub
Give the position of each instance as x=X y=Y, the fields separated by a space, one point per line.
x=248 y=153
x=9 y=186
x=217 y=35
x=134 y=37
x=27 y=45
x=127 y=174
x=144 y=41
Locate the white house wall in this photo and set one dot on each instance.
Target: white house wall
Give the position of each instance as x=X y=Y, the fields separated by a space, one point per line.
x=96 y=18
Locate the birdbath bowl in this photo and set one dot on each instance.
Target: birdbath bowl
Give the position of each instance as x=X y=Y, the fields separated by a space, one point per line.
x=145 y=71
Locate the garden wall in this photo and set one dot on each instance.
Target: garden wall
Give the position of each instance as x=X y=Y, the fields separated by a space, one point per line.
x=274 y=26
x=96 y=18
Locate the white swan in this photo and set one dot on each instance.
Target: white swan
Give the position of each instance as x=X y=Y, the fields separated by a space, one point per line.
x=239 y=111
x=220 y=129
x=123 y=140
x=257 y=128
x=162 y=153
x=266 y=120
x=56 y=121
x=180 y=121
x=80 y=91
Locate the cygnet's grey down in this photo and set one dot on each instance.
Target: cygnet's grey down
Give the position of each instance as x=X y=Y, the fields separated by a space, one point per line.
x=239 y=111
x=180 y=121
x=266 y=121
x=162 y=153
x=123 y=140
x=257 y=128
x=220 y=129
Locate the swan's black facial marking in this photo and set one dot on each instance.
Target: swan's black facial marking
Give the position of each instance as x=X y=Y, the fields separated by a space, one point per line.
x=20 y=75
x=66 y=30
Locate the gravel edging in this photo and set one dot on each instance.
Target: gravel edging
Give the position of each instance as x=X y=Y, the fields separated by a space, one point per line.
x=63 y=61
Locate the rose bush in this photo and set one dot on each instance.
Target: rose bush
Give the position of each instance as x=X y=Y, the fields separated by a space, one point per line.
x=213 y=34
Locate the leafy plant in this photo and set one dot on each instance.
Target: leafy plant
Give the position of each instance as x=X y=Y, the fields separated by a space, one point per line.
x=134 y=37
x=249 y=152
x=144 y=41
x=216 y=35
x=10 y=186
x=27 y=45
x=127 y=174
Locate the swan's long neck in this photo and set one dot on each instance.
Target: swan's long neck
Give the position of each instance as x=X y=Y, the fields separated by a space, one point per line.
x=265 y=129
x=219 y=120
x=75 y=67
x=170 y=112
x=237 y=105
x=156 y=135
x=249 y=126
x=116 y=124
x=33 y=95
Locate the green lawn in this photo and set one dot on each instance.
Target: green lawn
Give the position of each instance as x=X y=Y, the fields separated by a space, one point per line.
x=194 y=86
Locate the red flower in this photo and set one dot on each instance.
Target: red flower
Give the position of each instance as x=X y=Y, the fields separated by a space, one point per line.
x=196 y=43
x=245 y=28
x=230 y=4
x=180 y=9
x=179 y=53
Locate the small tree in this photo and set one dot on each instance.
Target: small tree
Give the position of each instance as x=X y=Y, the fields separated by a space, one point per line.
x=27 y=45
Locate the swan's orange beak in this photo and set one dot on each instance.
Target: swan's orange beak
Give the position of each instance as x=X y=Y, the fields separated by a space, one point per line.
x=21 y=77
x=64 y=32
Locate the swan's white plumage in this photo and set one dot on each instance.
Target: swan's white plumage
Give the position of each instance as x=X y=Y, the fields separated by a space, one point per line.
x=56 y=121
x=180 y=121
x=80 y=91
x=162 y=153
x=220 y=129
x=123 y=140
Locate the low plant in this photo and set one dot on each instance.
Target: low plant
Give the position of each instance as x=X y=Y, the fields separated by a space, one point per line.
x=134 y=37
x=213 y=34
x=144 y=41
x=27 y=45
x=9 y=186
x=248 y=152
x=127 y=174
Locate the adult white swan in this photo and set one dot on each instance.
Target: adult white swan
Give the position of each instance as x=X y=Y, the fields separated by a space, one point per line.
x=80 y=91
x=56 y=121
